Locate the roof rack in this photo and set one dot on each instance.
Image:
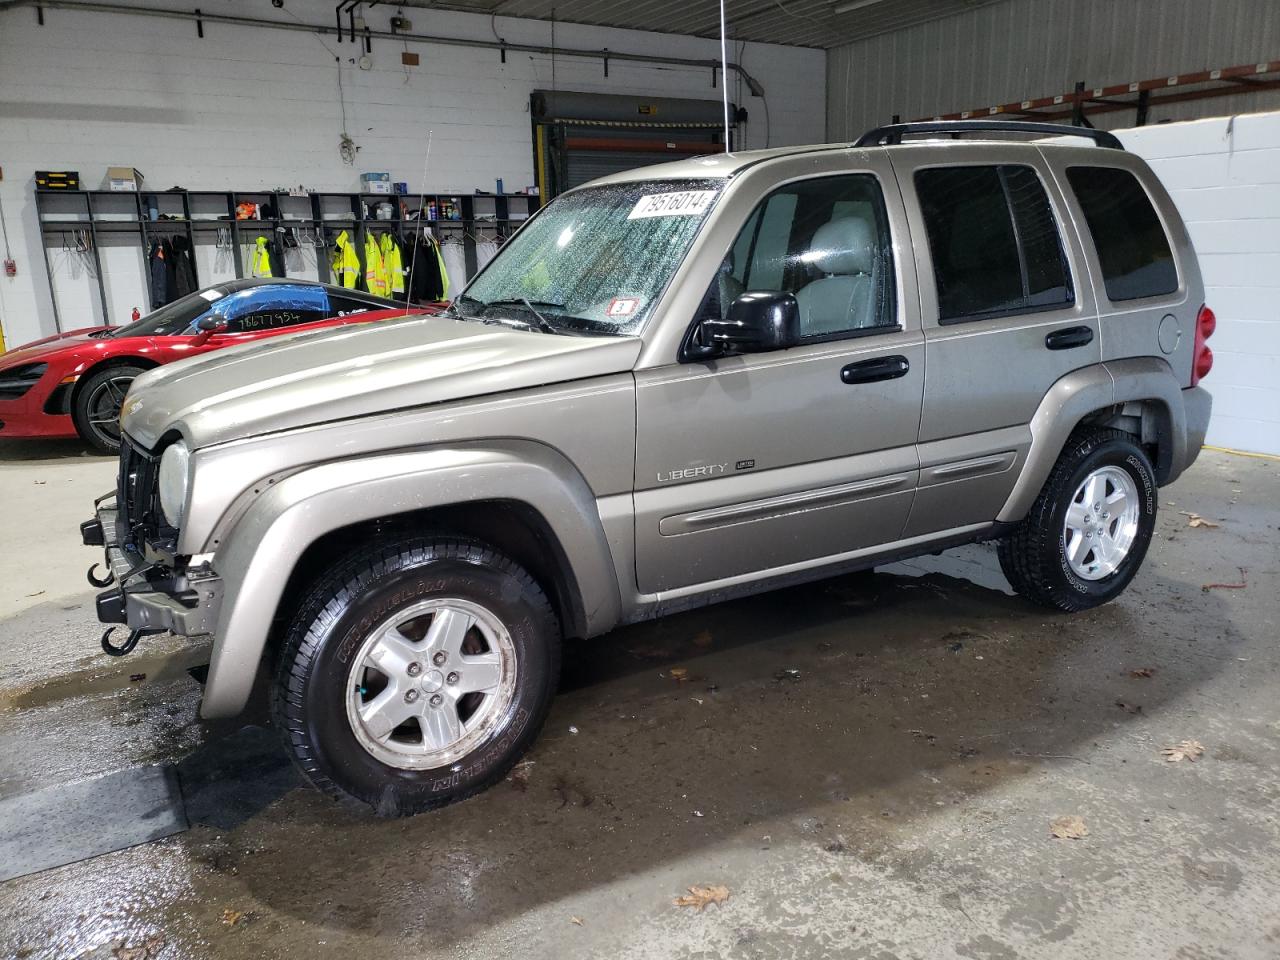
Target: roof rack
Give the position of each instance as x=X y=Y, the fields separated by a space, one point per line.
x=893 y=133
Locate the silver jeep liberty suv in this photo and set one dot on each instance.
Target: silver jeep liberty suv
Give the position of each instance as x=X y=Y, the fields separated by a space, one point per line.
x=672 y=386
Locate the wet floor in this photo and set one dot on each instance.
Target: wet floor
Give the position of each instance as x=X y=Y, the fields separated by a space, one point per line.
x=870 y=766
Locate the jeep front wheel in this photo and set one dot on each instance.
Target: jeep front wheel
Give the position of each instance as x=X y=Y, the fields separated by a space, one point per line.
x=417 y=674
x=1087 y=533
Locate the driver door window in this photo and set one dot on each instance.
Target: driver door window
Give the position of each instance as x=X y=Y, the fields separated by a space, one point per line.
x=825 y=241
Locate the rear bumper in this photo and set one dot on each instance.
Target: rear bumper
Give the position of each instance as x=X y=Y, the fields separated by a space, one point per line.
x=145 y=597
x=1197 y=406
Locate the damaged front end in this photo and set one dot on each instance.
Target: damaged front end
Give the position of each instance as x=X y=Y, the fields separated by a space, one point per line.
x=150 y=588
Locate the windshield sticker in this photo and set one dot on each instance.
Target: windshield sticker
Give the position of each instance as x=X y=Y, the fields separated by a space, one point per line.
x=622 y=306
x=211 y=295
x=685 y=203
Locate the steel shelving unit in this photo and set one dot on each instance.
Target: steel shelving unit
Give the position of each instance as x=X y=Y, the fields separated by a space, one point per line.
x=319 y=216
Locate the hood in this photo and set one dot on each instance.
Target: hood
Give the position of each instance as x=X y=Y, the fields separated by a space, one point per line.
x=38 y=350
x=345 y=372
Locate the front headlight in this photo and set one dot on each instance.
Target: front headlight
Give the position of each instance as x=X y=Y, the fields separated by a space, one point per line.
x=173 y=481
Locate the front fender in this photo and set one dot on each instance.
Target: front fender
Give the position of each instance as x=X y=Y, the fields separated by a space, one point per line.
x=260 y=552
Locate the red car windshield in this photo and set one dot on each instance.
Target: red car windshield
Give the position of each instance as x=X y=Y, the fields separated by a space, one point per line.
x=172 y=319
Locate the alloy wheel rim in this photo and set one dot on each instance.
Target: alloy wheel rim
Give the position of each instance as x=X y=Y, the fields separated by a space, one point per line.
x=1101 y=523
x=430 y=683
x=104 y=406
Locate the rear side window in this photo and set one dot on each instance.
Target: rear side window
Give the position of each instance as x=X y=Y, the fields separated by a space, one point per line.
x=1133 y=249
x=994 y=242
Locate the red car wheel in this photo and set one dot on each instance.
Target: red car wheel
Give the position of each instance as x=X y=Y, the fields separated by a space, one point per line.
x=97 y=406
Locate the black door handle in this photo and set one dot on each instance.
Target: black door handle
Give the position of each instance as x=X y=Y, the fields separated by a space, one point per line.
x=1069 y=337
x=869 y=371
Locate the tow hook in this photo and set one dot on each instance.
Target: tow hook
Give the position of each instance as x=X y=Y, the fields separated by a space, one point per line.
x=125 y=648
x=106 y=581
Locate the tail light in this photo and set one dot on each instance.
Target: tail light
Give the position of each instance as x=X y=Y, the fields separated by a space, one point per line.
x=1202 y=358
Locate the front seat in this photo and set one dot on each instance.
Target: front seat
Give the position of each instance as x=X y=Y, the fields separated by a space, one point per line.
x=844 y=251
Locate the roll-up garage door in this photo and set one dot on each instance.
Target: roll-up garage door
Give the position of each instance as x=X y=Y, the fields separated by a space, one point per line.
x=579 y=137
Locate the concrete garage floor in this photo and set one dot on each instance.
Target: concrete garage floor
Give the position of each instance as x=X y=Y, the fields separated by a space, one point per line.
x=870 y=765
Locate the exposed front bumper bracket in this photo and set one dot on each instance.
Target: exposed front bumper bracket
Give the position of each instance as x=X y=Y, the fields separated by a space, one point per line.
x=177 y=604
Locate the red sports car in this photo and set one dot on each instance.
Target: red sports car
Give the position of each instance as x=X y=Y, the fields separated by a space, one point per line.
x=74 y=383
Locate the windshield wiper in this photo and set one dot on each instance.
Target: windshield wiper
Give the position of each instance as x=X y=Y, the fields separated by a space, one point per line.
x=543 y=323
x=455 y=308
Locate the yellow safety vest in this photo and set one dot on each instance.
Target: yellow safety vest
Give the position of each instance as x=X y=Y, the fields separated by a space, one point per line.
x=261 y=259
x=375 y=271
x=444 y=274
x=344 y=262
x=392 y=263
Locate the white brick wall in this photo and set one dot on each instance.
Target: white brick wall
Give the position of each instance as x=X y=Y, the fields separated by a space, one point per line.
x=256 y=108
x=1224 y=175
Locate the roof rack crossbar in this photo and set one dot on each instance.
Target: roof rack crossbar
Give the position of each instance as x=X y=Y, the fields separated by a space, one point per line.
x=894 y=132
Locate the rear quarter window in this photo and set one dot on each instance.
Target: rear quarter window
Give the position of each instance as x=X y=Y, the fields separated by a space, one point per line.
x=1133 y=249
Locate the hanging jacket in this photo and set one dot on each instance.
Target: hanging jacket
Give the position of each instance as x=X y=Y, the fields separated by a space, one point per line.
x=375 y=271
x=275 y=258
x=430 y=278
x=344 y=262
x=261 y=259
x=157 y=274
x=393 y=262
x=170 y=271
x=444 y=271
x=183 y=267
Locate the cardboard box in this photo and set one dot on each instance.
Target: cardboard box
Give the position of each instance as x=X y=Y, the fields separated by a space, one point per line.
x=377 y=186
x=122 y=179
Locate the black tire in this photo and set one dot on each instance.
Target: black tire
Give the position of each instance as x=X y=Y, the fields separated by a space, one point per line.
x=309 y=699
x=101 y=392
x=1034 y=556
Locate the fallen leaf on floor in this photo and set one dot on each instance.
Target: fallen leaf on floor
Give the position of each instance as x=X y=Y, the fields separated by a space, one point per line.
x=701 y=896
x=36 y=594
x=1186 y=750
x=678 y=673
x=573 y=729
x=520 y=775
x=703 y=639
x=1244 y=582
x=1195 y=520
x=787 y=674
x=1129 y=707
x=149 y=948
x=232 y=917
x=576 y=921
x=696 y=700
x=1142 y=673
x=1069 y=828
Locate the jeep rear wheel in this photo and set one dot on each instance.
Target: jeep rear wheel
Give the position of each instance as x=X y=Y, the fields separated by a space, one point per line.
x=417 y=674
x=1087 y=533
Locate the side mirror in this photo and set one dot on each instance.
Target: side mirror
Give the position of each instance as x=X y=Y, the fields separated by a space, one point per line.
x=212 y=323
x=208 y=325
x=758 y=321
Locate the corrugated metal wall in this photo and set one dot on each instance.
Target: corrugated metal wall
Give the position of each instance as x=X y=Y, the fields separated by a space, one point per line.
x=1029 y=48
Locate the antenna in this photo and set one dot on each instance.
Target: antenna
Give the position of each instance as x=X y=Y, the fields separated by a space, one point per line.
x=422 y=205
x=724 y=75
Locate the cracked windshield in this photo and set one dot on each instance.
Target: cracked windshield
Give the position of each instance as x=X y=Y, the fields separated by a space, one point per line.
x=595 y=261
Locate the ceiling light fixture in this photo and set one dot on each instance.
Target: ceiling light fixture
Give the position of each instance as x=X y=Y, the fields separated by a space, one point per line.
x=853 y=5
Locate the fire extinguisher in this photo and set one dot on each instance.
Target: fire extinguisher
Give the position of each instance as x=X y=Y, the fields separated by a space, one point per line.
x=137 y=315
